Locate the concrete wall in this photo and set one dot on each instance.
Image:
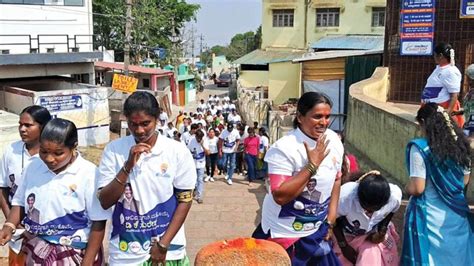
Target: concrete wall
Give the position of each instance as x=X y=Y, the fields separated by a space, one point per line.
x=284 y=82
x=378 y=129
x=355 y=18
x=46 y=19
x=249 y=79
x=23 y=71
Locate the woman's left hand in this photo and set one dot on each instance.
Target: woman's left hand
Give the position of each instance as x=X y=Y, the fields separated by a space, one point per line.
x=158 y=256
x=328 y=235
x=377 y=237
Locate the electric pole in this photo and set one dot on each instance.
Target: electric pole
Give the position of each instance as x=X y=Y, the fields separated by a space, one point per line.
x=128 y=29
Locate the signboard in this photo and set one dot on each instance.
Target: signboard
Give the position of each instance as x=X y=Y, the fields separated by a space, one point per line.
x=467 y=9
x=124 y=83
x=417 y=19
x=61 y=102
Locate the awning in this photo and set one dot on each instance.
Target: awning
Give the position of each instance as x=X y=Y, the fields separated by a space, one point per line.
x=101 y=65
x=350 y=42
x=260 y=57
x=335 y=54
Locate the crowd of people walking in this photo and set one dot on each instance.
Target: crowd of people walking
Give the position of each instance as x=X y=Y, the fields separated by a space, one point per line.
x=319 y=207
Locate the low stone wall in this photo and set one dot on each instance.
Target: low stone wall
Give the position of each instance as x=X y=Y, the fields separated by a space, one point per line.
x=379 y=129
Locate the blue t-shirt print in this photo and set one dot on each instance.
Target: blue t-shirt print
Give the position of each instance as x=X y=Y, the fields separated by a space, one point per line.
x=228 y=144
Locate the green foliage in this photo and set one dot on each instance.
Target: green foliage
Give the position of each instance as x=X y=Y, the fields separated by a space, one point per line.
x=240 y=45
x=152 y=24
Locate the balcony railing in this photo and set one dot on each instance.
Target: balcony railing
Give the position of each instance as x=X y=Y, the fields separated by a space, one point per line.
x=45 y=43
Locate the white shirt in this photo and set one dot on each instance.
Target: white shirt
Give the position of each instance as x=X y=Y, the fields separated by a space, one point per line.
x=202 y=107
x=164 y=118
x=304 y=215
x=235 y=119
x=219 y=108
x=183 y=127
x=170 y=132
x=211 y=144
x=225 y=108
x=202 y=122
x=443 y=81
x=229 y=140
x=264 y=142
x=15 y=159
x=213 y=111
x=186 y=137
x=198 y=153
x=226 y=98
x=154 y=178
x=358 y=222
x=64 y=204
x=231 y=106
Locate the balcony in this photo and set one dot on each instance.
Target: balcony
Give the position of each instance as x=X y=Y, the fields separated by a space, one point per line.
x=45 y=43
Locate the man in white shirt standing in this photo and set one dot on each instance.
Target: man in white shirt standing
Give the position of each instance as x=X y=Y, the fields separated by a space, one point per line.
x=197 y=150
x=234 y=117
x=163 y=118
x=228 y=143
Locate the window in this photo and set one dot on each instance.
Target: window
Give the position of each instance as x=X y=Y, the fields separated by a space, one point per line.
x=5 y=51
x=50 y=50
x=146 y=83
x=283 y=17
x=327 y=17
x=378 y=16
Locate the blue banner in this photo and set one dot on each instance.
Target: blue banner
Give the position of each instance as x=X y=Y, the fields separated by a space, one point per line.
x=467 y=8
x=61 y=102
x=417 y=18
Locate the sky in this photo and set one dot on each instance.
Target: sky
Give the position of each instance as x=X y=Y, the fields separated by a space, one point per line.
x=220 y=20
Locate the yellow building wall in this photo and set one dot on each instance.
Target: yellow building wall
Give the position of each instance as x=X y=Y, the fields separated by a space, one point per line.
x=249 y=79
x=284 y=79
x=355 y=18
x=283 y=37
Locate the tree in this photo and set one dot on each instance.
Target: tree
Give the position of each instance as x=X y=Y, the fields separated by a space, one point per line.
x=153 y=23
x=206 y=56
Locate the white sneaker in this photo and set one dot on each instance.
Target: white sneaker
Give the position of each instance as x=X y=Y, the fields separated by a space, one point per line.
x=211 y=179
x=229 y=181
x=207 y=178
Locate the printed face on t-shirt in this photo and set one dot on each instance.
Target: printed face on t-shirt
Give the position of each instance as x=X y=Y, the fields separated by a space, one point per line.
x=311 y=185
x=128 y=192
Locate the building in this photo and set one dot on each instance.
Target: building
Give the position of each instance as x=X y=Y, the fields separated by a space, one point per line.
x=219 y=64
x=47 y=58
x=292 y=27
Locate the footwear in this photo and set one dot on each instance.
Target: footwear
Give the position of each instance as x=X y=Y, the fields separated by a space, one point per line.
x=207 y=178
x=200 y=201
x=229 y=181
x=211 y=179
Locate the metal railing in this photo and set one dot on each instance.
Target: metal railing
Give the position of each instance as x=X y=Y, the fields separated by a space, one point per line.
x=45 y=41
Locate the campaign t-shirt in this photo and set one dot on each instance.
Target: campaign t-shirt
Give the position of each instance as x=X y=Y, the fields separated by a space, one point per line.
x=263 y=144
x=304 y=215
x=235 y=119
x=15 y=159
x=443 y=81
x=198 y=153
x=186 y=137
x=60 y=207
x=357 y=222
x=211 y=144
x=168 y=167
x=229 y=140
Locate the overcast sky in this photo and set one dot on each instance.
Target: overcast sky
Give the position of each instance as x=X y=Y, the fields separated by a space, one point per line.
x=220 y=20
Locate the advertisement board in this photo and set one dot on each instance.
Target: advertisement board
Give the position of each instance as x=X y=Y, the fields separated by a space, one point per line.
x=417 y=18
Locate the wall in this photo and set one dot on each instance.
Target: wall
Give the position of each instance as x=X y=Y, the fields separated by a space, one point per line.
x=284 y=82
x=249 y=79
x=48 y=19
x=22 y=71
x=219 y=64
x=355 y=18
x=283 y=37
x=378 y=129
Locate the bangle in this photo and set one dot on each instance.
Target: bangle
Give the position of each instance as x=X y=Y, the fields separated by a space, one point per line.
x=119 y=181
x=11 y=226
x=312 y=169
x=125 y=170
x=161 y=247
x=331 y=224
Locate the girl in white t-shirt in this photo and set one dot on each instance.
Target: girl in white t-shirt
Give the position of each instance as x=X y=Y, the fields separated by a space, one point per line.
x=364 y=232
x=444 y=84
x=162 y=175
x=210 y=144
x=300 y=209
x=16 y=158
x=64 y=222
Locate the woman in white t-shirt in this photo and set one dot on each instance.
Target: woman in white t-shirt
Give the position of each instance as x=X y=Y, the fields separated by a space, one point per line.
x=162 y=175
x=444 y=84
x=364 y=232
x=16 y=158
x=210 y=144
x=64 y=222
x=307 y=159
